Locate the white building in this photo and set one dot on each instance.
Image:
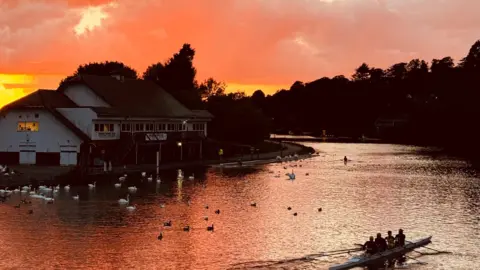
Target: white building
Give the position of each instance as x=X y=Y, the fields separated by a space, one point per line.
x=110 y=118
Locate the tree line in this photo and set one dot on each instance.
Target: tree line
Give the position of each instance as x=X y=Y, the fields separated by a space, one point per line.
x=437 y=99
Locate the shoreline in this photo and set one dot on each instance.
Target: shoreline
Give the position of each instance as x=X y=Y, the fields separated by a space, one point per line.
x=54 y=175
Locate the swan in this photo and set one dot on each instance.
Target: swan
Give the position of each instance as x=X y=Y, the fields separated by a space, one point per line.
x=23 y=191
x=191 y=177
x=158 y=179
x=92 y=185
x=42 y=187
x=48 y=199
x=132 y=189
x=124 y=201
x=131 y=207
x=26 y=187
x=16 y=190
x=180 y=174
x=37 y=196
x=55 y=191
x=67 y=187
x=33 y=192
x=144 y=174
x=150 y=178
x=122 y=178
x=117 y=185
x=2 y=191
x=57 y=187
x=48 y=189
x=76 y=197
x=162 y=205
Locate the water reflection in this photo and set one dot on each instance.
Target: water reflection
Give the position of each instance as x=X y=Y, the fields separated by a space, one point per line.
x=382 y=187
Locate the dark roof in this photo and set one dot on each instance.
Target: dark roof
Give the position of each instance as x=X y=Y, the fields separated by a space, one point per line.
x=48 y=100
x=202 y=114
x=133 y=98
x=40 y=98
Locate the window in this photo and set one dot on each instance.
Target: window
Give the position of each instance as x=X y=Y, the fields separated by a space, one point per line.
x=27 y=126
x=199 y=127
x=126 y=127
x=161 y=127
x=104 y=128
x=182 y=127
x=149 y=127
x=171 y=127
x=139 y=127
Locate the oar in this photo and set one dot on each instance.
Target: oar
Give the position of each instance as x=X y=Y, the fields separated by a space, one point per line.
x=446 y=252
x=420 y=262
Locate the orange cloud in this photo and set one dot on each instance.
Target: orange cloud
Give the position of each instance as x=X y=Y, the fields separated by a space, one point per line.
x=253 y=42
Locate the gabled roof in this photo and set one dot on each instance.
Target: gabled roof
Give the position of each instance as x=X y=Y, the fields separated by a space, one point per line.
x=132 y=98
x=48 y=100
x=40 y=98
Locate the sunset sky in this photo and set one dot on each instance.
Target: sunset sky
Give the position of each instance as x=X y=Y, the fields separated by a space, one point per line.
x=248 y=44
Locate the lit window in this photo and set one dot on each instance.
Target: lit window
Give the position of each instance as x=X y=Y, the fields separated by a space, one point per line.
x=27 y=126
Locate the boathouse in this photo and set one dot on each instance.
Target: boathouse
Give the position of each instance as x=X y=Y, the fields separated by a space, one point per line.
x=91 y=119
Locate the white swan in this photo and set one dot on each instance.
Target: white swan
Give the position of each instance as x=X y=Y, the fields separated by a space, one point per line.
x=48 y=199
x=48 y=189
x=124 y=201
x=76 y=197
x=158 y=179
x=150 y=178
x=26 y=187
x=117 y=185
x=131 y=207
x=37 y=196
x=33 y=192
x=67 y=187
x=16 y=190
x=191 y=177
x=57 y=187
x=122 y=178
x=92 y=185
x=144 y=174
x=42 y=187
x=132 y=189
x=179 y=174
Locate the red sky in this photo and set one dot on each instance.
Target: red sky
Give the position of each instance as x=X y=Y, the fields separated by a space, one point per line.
x=249 y=44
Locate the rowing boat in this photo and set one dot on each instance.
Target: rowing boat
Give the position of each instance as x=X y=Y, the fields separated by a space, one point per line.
x=381 y=257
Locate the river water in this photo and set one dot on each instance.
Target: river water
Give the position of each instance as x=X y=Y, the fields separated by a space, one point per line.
x=383 y=187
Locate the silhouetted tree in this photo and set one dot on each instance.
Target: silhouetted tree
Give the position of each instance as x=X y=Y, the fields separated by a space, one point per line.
x=177 y=76
x=107 y=68
x=211 y=87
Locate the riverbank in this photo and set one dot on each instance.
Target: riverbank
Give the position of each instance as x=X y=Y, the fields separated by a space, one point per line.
x=35 y=175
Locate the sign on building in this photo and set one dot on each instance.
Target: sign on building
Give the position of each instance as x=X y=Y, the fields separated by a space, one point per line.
x=155 y=136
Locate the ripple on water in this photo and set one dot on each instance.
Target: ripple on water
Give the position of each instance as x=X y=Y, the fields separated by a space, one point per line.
x=383 y=187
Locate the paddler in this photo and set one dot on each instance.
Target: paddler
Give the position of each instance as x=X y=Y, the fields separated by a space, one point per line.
x=400 y=239
x=381 y=243
x=370 y=247
x=390 y=240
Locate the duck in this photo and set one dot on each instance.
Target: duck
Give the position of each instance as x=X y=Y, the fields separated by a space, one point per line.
x=217 y=211
x=124 y=201
x=160 y=236
x=92 y=185
x=76 y=197
x=150 y=178
x=66 y=188
x=210 y=228
x=206 y=206
x=117 y=185
x=191 y=177
x=320 y=209
x=295 y=214
x=167 y=223
x=132 y=189
x=289 y=208
x=205 y=218
x=254 y=204
x=131 y=207
x=186 y=228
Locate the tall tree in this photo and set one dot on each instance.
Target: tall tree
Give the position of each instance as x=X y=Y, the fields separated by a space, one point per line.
x=177 y=76
x=362 y=73
x=211 y=87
